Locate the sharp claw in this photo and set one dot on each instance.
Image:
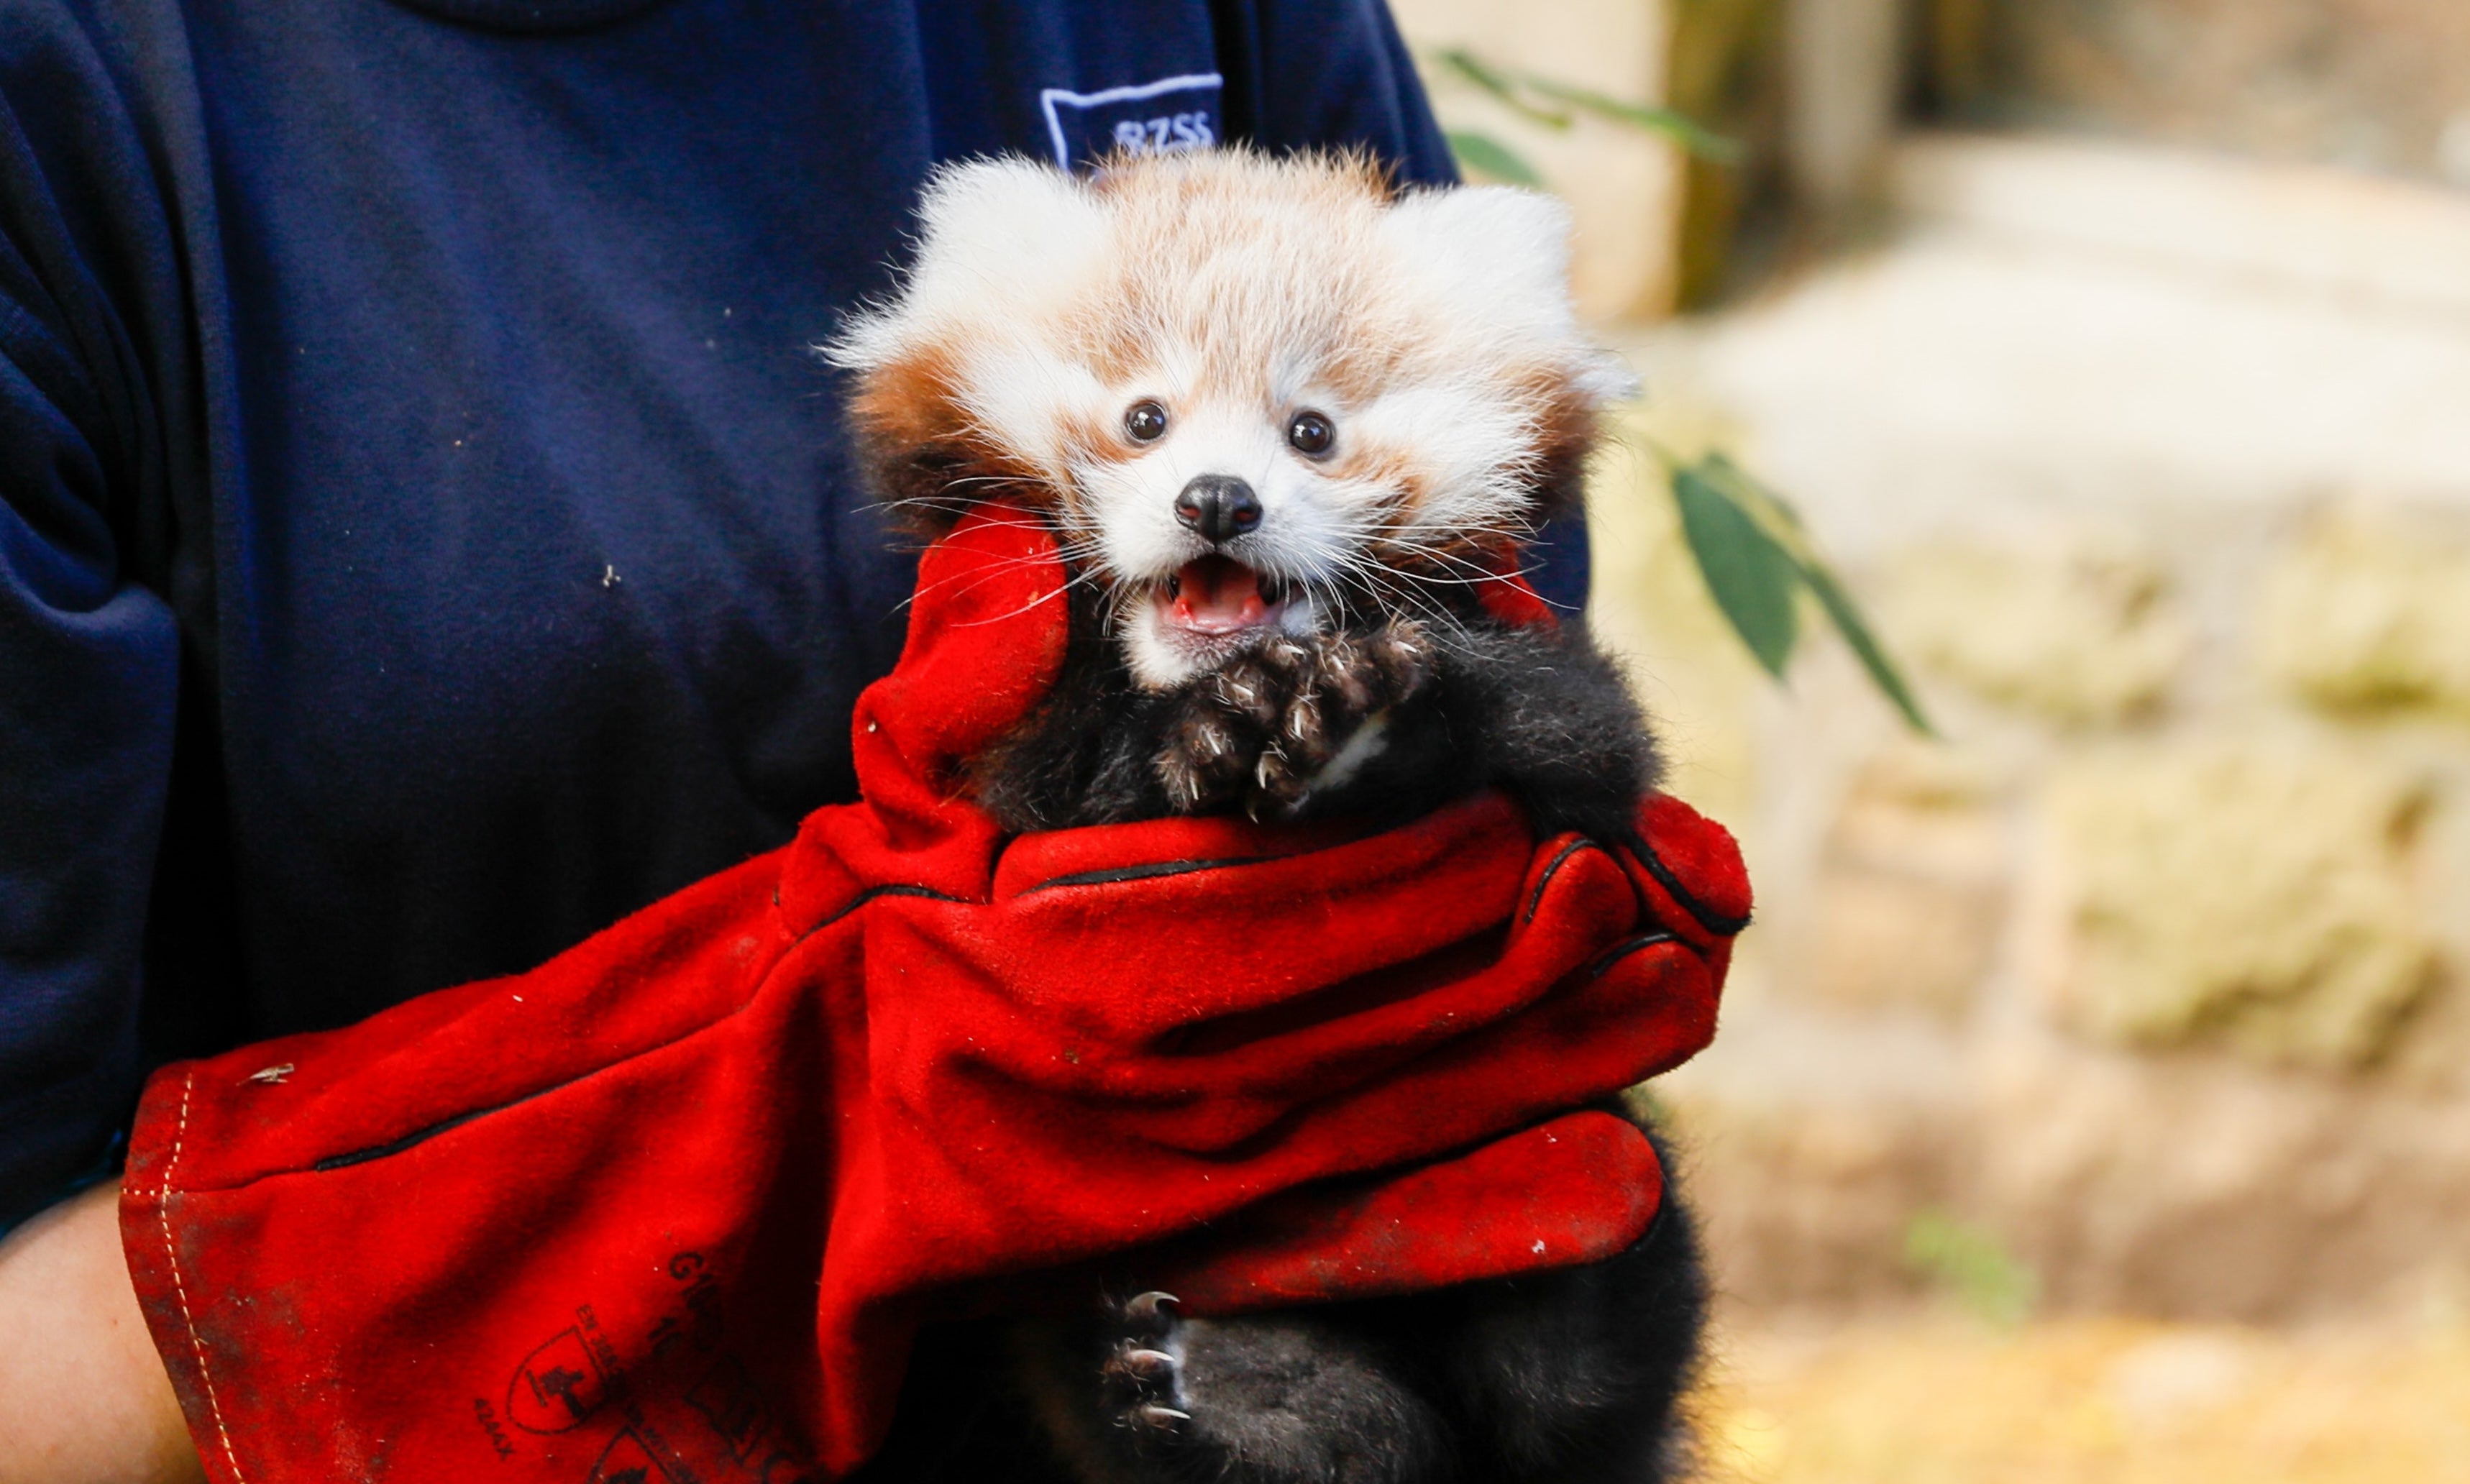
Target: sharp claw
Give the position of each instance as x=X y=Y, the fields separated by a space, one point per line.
x=1163 y=1418
x=1148 y=1365
x=1152 y=1307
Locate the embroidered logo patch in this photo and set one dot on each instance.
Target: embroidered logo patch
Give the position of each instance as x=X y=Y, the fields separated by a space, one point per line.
x=1149 y=118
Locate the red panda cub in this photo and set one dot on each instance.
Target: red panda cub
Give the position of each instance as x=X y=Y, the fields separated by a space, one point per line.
x=1285 y=421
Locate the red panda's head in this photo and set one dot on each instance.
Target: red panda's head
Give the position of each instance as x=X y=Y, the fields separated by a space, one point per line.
x=1249 y=392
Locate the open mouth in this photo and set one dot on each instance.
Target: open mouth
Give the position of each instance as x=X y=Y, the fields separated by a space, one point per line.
x=1218 y=595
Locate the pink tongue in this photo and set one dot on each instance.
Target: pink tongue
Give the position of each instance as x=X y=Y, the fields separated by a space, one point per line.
x=1217 y=595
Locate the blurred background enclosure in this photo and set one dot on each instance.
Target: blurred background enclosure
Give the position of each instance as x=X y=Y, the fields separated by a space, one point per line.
x=2094 y=1099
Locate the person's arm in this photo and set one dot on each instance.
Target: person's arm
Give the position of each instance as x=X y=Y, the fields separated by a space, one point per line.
x=90 y=290
x=88 y=666
x=83 y=1397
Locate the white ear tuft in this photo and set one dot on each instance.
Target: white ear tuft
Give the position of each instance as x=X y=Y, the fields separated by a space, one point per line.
x=1499 y=253
x=999 y=240
x=1014 y=219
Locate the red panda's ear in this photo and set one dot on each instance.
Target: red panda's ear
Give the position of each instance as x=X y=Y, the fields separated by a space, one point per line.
x=1495 y=246
x=1000 y=242
x=1001 y=245
x=1007 y=225
x=1495 y=261
x=1499 y=258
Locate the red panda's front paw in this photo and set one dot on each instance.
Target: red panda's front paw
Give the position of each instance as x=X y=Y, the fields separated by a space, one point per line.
x=1295 y=718
x=1143 y=1374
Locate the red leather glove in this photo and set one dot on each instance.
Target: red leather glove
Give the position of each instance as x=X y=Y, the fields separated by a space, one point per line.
x=676 y=1200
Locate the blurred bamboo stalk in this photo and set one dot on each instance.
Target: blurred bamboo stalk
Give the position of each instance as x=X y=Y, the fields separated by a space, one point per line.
x=1722 y=73
x=1843 y=68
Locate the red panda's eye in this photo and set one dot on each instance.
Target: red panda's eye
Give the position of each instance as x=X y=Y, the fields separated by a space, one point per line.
x=1310 y=433
x=1145 y=422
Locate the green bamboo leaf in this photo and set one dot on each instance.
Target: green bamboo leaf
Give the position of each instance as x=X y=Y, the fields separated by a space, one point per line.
x=1753 y=578
x=1501 y=85
x=1856 y=629
x=1489 y=156
x=1752 y=496
x=1679 y=127
x=1826 y=586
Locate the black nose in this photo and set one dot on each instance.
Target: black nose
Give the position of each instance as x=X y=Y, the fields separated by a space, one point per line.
x=1221 y=507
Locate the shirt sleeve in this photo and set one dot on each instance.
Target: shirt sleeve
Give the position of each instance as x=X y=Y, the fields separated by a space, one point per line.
x=1329 y=74
x=1336 y=74
x=88 y=656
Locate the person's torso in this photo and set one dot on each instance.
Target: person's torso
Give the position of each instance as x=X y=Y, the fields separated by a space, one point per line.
x=541 y=588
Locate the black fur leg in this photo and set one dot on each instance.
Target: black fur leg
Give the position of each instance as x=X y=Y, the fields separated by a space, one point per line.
x=1572 y=1376
x=1547 y=716
x=1292 y=1397
x=1575 y=1375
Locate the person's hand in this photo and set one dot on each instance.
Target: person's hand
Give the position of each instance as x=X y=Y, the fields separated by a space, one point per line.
x=83 y=1397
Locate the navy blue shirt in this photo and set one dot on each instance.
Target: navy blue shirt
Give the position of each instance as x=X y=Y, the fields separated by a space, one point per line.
x=428 y=535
